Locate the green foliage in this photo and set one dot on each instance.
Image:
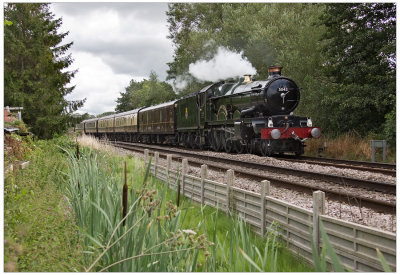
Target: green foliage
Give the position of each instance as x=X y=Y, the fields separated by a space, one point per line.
x=78 y=118
x=233 y=239
x=244 y=252
x=7 y=23
x=385 y=266
x=212 y=243
x=320 y=260
x=35 y=64
x=144 y=93
x=130 y=99
x=229 y=235
x=358 y=88
x=342 y=55
x=390 y=127
x=197 y=30
x=18 y=124
x=39 y=234
x=105 y=114
x=147 y=239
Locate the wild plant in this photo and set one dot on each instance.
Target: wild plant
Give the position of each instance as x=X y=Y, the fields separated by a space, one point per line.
x=241 y=252
x=147 y=239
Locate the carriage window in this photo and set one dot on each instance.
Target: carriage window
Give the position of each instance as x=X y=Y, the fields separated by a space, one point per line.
x=209 y=93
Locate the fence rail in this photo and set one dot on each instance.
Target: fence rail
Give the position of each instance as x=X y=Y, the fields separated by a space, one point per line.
x=354 y=244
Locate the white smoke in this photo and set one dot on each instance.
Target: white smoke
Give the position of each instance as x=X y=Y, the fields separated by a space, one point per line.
x=181 y=82
x=225 y=64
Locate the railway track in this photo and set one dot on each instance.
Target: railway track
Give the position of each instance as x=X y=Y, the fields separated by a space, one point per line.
x=383 y=168
x=244 y=169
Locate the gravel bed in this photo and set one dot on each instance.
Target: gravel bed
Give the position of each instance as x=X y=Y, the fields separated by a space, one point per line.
x=363 y=215
x=330 y=170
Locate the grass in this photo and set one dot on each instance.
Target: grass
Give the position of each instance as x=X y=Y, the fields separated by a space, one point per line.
x=226 y=243
x=38 y=233
x=349 y=146
x=148 y=238
x=230 y=235
x=50 y=226
x=93 y=143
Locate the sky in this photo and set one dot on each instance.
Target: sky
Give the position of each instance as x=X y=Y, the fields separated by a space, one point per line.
x=113 y=44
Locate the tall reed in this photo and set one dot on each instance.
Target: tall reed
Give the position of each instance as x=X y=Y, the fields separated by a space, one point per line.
x=149 y=241
x=153 y=238
x=241 y=251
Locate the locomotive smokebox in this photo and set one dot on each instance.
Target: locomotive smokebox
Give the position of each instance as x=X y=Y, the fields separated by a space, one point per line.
x=274 y=71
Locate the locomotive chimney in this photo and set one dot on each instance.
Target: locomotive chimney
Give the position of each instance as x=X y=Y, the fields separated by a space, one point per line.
x=274 y=71
x=247 y=78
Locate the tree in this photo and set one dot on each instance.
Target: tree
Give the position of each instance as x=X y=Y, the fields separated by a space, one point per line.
x=35 y=64
x=127 y=101
x=273 y=33
x=145 y=93
x=360 y=68
x=105 y=114
x=78 y=118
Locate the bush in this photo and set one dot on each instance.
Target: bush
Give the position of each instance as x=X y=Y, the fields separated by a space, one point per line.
x=17 y=148
x=39 y=235
x=390 y=128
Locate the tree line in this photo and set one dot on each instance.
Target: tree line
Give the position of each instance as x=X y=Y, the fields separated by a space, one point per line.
x=342 y=55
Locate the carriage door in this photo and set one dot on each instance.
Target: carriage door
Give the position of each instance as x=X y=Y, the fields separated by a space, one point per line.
x=201 y=109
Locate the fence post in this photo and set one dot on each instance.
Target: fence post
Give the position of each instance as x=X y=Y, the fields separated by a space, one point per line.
x=265 y=186
x=146 y=156
x=230 y=178
x=169 y=163
x=185 y=169
x=318 y=209
x=203 y=174
x=156 y=156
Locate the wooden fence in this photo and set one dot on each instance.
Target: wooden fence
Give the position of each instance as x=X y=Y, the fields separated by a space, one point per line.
x=354 y=244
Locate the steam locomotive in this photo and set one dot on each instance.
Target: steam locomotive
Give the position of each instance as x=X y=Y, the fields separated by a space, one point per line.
x=246 y=116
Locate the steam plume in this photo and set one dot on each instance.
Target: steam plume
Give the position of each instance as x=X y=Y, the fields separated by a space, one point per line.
x=225 y=64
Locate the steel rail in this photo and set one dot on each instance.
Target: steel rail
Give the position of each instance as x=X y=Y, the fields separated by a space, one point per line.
x=347 y=181
x=215 y=163
x=383 y=168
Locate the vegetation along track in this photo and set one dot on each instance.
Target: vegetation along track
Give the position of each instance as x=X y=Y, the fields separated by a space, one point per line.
x=242 y=168
x=376 y=167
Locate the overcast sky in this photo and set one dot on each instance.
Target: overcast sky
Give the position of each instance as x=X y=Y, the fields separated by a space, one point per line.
x=113 y=43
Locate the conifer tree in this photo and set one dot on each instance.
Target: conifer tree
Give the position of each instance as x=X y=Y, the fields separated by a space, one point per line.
x=35 y=68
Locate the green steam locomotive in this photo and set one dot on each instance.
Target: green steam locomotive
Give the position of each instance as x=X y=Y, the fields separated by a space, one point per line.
x=245 y=116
